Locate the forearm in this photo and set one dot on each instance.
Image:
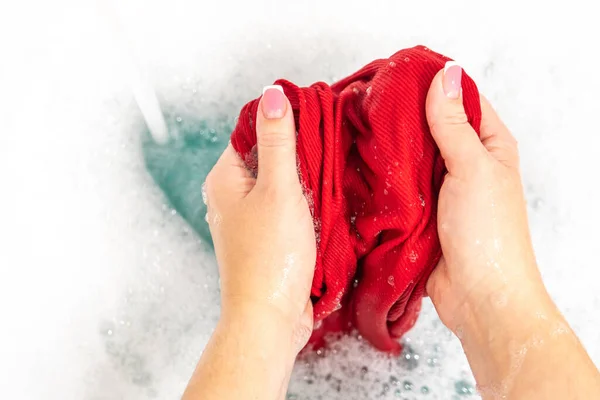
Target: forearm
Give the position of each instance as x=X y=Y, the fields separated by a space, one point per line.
x=249 y=356
x=519 y=345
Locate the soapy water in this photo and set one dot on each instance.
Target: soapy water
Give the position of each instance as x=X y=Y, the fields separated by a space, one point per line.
x=431 y=365
x=180 y=166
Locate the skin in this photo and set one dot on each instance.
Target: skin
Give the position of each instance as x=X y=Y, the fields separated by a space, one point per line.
x=487 y=288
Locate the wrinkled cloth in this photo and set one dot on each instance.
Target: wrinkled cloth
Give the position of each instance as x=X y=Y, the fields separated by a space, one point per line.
x=372 y=173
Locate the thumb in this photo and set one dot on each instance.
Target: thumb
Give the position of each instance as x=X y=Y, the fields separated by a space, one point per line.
x=276 y=138
x=450 y=128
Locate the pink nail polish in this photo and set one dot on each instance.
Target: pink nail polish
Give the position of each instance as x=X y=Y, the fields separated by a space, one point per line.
x=452 y=79
x=274 y=102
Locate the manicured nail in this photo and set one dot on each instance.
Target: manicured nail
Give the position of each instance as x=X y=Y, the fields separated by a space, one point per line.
x=274 y=102
x=451 y=80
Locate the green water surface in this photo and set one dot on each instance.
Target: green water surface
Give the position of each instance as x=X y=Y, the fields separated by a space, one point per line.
x=180 y=166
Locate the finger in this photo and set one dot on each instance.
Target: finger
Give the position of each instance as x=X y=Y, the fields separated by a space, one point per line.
x=450 y=128
x=228 y=180
x=496 y=137
x=276 y=139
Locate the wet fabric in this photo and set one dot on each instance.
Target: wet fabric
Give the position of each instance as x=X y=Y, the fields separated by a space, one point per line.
x=372 y=173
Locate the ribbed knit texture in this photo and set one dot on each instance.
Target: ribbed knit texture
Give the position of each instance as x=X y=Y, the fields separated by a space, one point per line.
x=372 y=172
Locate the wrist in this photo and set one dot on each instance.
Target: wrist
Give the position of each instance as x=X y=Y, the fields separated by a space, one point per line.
x=264 y=325
x=501 y=326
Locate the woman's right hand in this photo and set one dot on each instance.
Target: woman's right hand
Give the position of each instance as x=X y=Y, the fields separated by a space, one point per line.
x=482 y=219
x=487 y=288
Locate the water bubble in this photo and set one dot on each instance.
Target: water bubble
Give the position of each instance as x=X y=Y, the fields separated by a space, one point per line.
x=413 y=256
x=363 y=371
x=390 y=280
x=178 y=119
x=409 y=359
x=538 y=203
x=463 y=387
x=204 y=196
x=432 y=362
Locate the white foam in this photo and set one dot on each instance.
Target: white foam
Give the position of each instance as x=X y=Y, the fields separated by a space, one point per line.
x=91 y=249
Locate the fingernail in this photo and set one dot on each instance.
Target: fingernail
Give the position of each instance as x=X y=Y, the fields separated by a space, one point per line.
x=273 y=102
x=451 y=80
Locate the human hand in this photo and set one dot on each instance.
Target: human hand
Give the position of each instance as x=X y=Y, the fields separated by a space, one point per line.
x=487 y=288
x=262 y=228
x=482 y=219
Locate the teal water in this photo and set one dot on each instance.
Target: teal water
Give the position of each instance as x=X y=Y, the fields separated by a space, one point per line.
x=180 y=166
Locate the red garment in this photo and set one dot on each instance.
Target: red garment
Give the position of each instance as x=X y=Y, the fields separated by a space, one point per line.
x=373 y=172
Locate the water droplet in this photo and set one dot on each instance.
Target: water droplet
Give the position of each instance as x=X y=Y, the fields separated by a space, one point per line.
x=178 y=119
x=292 y=396
x=390 y=280
x=406 y=59
x=392 y=64
x=393 y=380
x=355 y=90
x=424 y=389
x=397 y=393
x=422 y=200
x=109 y=332
x=369 y=90
x=355 y=283
x=385 y=191
x=407 y=385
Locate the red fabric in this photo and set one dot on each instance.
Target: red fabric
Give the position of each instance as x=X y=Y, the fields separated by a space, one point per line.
x=373 y=173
